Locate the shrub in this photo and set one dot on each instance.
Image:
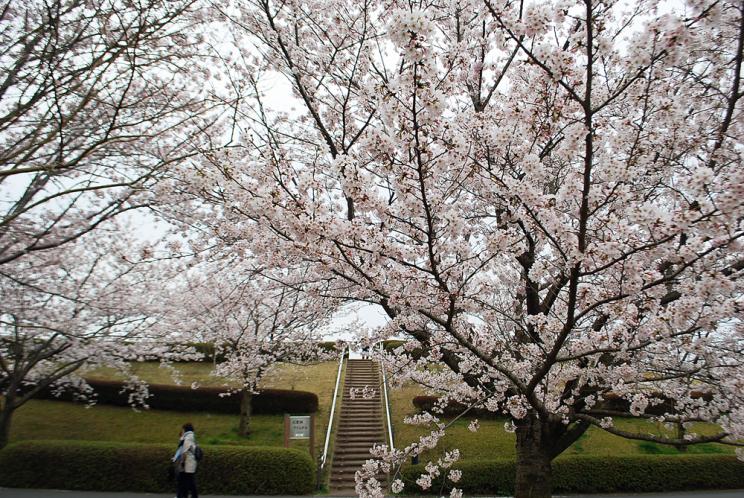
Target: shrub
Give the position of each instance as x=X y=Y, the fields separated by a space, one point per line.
x=601 y=474
x=208 y=399
x=392 y=344
x=106 y=466
x=648 y=473
x=328 y=346
x=277 y=401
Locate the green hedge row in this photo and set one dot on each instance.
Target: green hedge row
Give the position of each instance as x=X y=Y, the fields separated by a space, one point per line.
x=183 y=398
x=105 y=466
x=592 y=474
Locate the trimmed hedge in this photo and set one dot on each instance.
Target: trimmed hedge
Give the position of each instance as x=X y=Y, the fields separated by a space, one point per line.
x=105 y=466
x=208 y=399
x=592 y=474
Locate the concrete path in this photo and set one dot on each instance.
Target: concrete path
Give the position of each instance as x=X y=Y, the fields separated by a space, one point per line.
x=44 y=493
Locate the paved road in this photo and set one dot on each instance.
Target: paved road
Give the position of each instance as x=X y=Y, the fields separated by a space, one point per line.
x=44 y=493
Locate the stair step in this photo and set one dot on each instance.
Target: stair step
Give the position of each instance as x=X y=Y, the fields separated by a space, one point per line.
x=352 y=452
x=345 y=469
x=360 y=424
x=357 y=460
x=360 y=444
x=348 y=473
x=350 y=462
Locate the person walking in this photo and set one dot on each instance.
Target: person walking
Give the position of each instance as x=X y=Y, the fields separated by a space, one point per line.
x=185 y=463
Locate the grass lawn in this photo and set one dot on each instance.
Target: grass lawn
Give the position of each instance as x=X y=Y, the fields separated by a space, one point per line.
x=492 y=441
x=40 y=419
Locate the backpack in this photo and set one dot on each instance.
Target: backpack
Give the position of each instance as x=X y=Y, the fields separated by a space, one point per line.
x=198 y=453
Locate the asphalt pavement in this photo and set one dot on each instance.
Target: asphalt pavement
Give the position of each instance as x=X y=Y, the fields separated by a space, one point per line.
x=47 y=493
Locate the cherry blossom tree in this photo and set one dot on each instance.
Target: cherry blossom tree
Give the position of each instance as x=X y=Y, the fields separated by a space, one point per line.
x=256 y=318
x=97 y=99
x=545 y=196
x=65 y=312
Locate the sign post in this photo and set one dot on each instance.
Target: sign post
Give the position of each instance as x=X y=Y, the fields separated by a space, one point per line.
x=300 y=427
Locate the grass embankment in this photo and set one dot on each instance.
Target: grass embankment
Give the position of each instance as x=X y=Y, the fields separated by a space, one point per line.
x=61 y=420
x=491 y=441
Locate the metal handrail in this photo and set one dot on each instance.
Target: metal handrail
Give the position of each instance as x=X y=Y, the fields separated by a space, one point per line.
x=333 y=409
x=387 y=402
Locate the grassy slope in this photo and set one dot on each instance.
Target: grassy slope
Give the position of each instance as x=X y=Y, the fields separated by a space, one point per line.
x=61 y=420
x=492 y=441
x=58 y=420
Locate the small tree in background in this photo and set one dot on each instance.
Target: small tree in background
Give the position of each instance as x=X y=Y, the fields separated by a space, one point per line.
x=256 y=319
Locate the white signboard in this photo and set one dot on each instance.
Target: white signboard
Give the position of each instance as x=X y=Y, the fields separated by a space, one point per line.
x=299 y=427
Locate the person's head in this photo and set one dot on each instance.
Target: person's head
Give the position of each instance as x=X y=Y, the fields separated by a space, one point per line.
x=187 y=427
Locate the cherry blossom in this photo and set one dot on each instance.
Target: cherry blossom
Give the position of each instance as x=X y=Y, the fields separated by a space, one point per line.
x=546 y=201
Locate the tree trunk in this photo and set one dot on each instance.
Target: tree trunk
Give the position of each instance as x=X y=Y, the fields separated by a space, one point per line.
x=246 y=397
x=533 y=459
x=6 y=414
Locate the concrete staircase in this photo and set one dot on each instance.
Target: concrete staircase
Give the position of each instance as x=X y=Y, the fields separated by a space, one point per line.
x=360 y=424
